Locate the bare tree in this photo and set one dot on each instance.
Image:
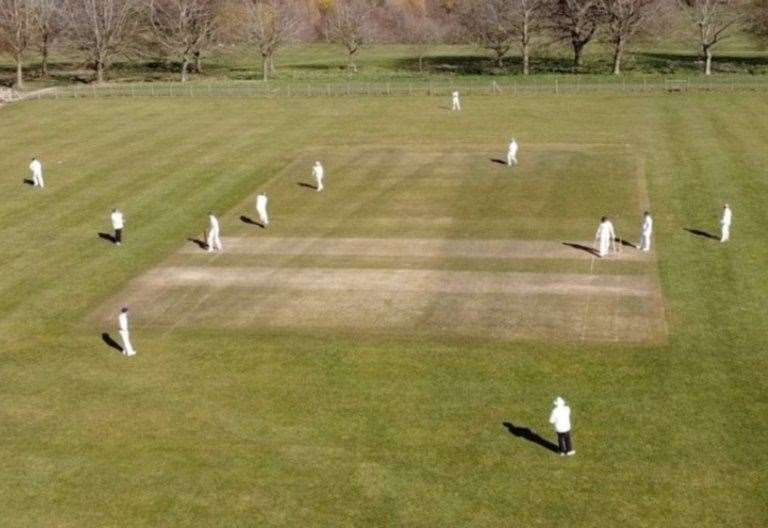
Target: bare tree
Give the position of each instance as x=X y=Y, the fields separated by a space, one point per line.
x=624 y=18
x=350 y=24
x=529 y=16
x=181 y=27
x=414 y=26
x=759 y=18
x=714 y=19
x=48 y=26
x=575 y=21
x=16 y=32
x=270 y=25
x=101 y=29
x=491 y=24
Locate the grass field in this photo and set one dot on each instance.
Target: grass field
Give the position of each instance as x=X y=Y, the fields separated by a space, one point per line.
x=354 y=363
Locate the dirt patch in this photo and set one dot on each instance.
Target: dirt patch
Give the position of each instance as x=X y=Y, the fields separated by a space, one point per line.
x=416 y=247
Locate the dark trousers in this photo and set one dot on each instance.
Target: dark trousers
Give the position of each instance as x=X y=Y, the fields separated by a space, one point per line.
x=564 y=442
x=118 y=236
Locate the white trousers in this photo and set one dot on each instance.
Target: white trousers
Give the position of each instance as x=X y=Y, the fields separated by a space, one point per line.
x=725 y=232
x=511 y=158
x=214 y=241
x=127 y=346
x=645 y=242
x=37 y=180
x=319 y=182
x=604 y=246
x=456 y=105
x=263 y=216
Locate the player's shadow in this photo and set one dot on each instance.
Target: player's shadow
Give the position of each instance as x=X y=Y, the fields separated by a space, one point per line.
x=108 y=237
x=200 y=243
x=307 y=185
x=29 y=182
x=699 y=232
x=534 y=438
x=250 y=221
x=626 y=243
x=111 y=342
x=499 y=161
x=581 y=247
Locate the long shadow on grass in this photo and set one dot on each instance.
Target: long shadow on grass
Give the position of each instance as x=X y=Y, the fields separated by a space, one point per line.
x=581 y=247
x=250 y=221
x=704 y=234
x=200 y=243
x=307 y=185
x=108 y=237
x=499 y=161
x=534 y=438
x=111 y=342
x=29 y=182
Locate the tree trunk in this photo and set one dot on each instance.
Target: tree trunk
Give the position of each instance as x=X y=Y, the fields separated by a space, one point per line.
x=99 y=71
x=577 y=49
x=707 y=61
x=618 y=52
x=19 y=74
x=44 y=59
x=184 y=69
x=265 y=67
x=352 y=65
x=271 y=65
x=421 y=63
x=526 y=48
x=499 y=60
x=198 y=67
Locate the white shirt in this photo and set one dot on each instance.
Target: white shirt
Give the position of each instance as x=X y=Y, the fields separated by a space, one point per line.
x=513 y=148
x=455 y=96
x=213 y=223
x=318 y=171
x=647 y=225
x=561 y=419
x=726 y=218
x=122 y=321
x=117 y=220
x=36 y=167
x=261 y=201
x=605 y=230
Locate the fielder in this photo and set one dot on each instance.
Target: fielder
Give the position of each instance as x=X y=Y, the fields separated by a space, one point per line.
x=118 y=223
x=646 y=230
x=122 y=325
x=455 y=102
x=725 y=224
x=261 y=209
x=560 y=418
x=318 y=172
x=36 y=168
x=512 y=153
x=605 y=236
x=213 y=240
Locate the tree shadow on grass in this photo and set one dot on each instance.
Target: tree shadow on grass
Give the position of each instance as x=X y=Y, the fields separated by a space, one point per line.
x=111 y=342
x=534 y=438
x=703 y=234
x=581 y=247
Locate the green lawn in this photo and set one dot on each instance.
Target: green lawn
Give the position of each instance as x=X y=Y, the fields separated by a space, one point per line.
x=250 y=425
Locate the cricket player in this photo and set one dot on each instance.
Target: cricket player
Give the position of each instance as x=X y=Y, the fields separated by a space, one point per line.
x=261 y=209
x=605 y=236
x=455 y=102
x=512 y=153
x=213 y=241
x=319 y=173
x=118 y=223
x=36 y=168
x=646 y=230
x=725 y=224
x=560 y=418
x=122 y=325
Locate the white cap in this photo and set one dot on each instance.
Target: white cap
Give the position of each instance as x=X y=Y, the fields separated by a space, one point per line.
x=559 y=402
